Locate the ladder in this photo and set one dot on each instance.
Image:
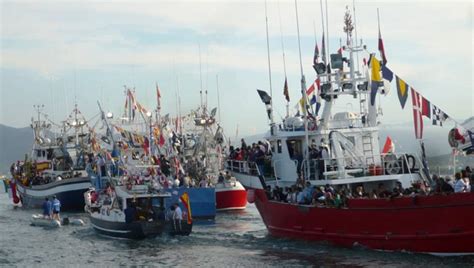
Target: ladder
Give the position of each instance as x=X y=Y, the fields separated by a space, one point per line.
x=367 y=149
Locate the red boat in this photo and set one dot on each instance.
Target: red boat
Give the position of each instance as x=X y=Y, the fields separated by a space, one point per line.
x=325 y=177
x=230 y=196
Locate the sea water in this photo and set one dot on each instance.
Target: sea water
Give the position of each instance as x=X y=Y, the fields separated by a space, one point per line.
x=233 y=239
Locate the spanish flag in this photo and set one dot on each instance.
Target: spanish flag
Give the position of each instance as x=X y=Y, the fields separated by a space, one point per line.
x=185 y=199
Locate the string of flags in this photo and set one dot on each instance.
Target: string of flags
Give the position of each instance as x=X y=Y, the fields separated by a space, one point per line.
x=422 y=107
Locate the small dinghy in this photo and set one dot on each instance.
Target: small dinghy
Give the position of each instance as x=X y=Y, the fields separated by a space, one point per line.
x=40 y=220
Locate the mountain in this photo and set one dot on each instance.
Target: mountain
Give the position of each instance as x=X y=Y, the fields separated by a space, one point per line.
x=14 y=144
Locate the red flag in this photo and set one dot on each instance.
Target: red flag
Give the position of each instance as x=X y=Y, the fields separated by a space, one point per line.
x=162 y=140
x=417 y=119
x=146 y=145
x=426 y=107
x=389 y=147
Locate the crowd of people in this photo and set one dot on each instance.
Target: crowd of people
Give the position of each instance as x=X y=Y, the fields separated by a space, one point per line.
x=302 y=192
x=256 y=153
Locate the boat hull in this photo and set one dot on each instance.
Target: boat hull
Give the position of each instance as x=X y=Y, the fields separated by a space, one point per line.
x=428 y=224
x=69 y=191
x=230 y=196
x=139 y=229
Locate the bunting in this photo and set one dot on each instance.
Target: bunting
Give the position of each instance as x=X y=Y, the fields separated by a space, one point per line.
x=425 y=107
x=402 y=90
x=438 y=116
x=417 y=114
x=376 y=78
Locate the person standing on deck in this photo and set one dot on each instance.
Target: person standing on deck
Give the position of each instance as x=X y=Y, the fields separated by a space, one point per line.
x=56 y=205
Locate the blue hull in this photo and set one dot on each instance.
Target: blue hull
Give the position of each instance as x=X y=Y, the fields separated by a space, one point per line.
x=202 y=200
x=70 y=193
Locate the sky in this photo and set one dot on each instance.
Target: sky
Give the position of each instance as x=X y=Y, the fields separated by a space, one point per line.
x=57 y=53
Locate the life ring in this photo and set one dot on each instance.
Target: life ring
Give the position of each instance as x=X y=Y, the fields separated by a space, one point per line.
x=393 y=167
x=451 y=138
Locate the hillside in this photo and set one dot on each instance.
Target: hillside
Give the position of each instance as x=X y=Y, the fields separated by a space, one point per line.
x=14 y=144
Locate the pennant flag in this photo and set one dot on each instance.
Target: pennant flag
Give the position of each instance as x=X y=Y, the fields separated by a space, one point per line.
x=158 y=96
x=387 y=74
x=185 y=199
x=389 y=147
x=264 y=96
x=323 y=48
x=425 y=107
x=285 y=91
x=316 y=54
x=438 y=116
x=382 y=50
x=417 y=119
x=402 y=90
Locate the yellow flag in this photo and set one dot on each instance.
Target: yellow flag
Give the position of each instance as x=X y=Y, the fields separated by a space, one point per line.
x=375 y=65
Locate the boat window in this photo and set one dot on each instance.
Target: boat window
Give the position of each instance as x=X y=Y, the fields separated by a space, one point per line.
x=38 y=153
x=294 y=148
x=279 y=146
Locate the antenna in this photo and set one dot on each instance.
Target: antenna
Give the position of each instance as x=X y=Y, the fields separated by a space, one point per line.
x=355 y=33
x=269 y=65
x=218 y=98
x=284 y=61
x=200 y=71
x=327 y=32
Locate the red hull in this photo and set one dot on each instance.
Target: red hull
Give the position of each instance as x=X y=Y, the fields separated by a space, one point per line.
x=430 y=224
x=232 y=199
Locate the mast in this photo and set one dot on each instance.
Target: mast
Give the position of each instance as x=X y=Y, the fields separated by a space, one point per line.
x=269 y=70
x=305 y=97
x=218 y=98
x=200 y=73
x=284 y=61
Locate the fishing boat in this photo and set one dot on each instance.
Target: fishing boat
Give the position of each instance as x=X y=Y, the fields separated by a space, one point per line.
x=56 y=165
x=135 y=212
x=337 y=158
x=202 y=156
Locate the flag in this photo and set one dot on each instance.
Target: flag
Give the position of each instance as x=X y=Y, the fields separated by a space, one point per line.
x=387 y=74
x=318 y=95
x=323 y=48
x=389 y=147
x=425 y=107
x=376 y=79
x=285 y=91
x=438 y=116
x=316 y=55
x=382 y=50
x=162 y=140
x=264 y=96
x=185 y=199
x=417 y=119
x=158 y=96
x=146 y=145
x=402 y=90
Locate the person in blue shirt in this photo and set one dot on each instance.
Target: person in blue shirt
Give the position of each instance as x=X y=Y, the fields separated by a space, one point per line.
x=47 y=208
x=56 y=205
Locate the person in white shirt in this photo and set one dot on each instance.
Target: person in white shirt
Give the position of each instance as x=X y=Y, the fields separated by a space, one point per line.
x=177 y=217
x=460 y=185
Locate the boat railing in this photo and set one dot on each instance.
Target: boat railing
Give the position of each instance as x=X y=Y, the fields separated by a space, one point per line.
x=390 y=164
x=244 y=167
